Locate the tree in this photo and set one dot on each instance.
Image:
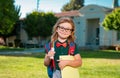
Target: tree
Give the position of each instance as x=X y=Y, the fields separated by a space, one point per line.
x=50 y=20
x=39 y=24
x=73 y=5
x=9 y=14
x=112 y=20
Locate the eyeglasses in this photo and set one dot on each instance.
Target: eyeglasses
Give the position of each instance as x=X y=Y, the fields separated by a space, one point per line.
x=66 y=29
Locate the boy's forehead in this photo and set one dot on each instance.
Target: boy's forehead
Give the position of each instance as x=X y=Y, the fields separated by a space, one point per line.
x=66 y=25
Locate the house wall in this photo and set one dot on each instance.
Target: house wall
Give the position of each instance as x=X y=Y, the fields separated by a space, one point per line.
x=80 y=30
x=23 y=36
x=107 y=38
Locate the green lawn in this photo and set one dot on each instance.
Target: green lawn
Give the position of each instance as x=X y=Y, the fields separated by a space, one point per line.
x=96 y=64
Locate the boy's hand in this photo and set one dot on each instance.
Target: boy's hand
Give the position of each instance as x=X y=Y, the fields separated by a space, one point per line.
x=63 y=63
x=51 y=54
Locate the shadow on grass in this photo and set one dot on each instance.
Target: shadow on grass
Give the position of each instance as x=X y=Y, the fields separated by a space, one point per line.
x=108 y=54
x=36 y=55
x=11 y=49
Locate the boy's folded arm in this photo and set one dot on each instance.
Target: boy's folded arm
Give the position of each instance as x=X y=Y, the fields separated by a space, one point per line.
x=75 y=63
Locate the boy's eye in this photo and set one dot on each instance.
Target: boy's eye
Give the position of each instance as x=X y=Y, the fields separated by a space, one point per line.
x=66 y=29
x=62 y=27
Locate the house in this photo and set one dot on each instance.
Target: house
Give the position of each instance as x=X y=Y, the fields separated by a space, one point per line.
x=90 y=33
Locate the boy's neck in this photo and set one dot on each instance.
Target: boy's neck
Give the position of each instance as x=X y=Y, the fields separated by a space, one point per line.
x=62 y=40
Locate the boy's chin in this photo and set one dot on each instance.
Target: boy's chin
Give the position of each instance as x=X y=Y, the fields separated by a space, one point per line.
x=63 y=37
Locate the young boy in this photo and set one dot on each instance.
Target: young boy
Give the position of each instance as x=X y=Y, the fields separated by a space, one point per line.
x=63 y=35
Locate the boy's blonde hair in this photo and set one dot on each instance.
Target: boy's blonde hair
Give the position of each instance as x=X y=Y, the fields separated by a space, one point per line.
x=54 y=36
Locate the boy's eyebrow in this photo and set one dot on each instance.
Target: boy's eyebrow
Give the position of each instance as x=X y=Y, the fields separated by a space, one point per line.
x=64 y=27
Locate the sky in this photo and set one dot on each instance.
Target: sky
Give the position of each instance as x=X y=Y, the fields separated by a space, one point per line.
x=27 y=6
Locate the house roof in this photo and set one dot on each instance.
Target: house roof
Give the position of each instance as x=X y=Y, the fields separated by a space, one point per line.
x=68 y=13
x=106 y=9
x=94 y=7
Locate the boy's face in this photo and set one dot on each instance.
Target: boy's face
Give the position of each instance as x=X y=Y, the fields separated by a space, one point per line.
x=64 y=30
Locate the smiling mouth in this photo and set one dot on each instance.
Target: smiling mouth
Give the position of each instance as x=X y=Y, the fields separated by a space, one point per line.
x=63 y=33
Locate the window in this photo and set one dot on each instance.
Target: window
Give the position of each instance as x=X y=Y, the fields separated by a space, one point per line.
x=118 y=35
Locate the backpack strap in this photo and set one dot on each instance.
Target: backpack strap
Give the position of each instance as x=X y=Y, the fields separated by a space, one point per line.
x=47 y=47
x=71 y=48
x=51 y=67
